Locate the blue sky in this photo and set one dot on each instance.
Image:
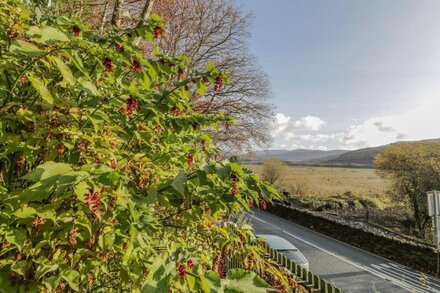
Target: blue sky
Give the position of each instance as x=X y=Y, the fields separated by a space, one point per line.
x=349 y=73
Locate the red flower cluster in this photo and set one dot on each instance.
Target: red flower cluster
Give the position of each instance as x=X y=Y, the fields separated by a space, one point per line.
x=190 y=161
x=38 y=221
x=22 y=79
x=131 y=104
x=73 y=235
x=119 y=47
x=234 y=190
x=177 y=112
x=92 y=200
x=181 y=268
x=158 y=32
x=136 y=66
x=218 y=84
x=108 y=65
x=76 y=31
x=263 y=204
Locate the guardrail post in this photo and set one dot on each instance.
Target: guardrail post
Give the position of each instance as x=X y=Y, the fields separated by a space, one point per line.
x=329 y=288
x=316 y=282
x=310 y=278
x=298 y=270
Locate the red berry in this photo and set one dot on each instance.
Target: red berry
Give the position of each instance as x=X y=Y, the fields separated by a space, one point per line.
x=92 y=200
x=119 y=47
x=263 y=204
x=158 y=32
x=218 y=84
x=190 y=264
x=234 y=190
x=181 y=269
x=108 y=65
x=136 y=66
x=76 y=31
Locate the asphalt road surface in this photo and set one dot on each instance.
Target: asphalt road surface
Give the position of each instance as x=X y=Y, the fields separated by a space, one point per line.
x=350 y=268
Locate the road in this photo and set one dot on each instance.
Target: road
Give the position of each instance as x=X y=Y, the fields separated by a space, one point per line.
x=350 y=268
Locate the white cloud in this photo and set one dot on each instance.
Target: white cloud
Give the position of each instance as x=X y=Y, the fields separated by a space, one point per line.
x=293 y=134
x=419 y=122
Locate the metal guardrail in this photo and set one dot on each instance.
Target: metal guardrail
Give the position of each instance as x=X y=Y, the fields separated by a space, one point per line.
x=310 y=281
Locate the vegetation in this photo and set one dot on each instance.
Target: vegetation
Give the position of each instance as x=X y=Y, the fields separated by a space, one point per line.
x=327 y=182
x=107 y=180
x=203 y=30
x=413 y=170
x=273 y=170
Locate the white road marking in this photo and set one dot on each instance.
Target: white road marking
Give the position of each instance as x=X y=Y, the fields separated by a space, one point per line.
x=415 y=287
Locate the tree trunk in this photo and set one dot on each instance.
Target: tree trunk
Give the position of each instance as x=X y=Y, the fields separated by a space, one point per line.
x=145 y=15
x=417 y=216
x=146 y=11
x=104 y=17
x=117 y=10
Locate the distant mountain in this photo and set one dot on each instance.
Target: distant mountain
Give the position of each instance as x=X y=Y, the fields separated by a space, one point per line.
x=300 y=155
x=362 y=157
x=357 y=158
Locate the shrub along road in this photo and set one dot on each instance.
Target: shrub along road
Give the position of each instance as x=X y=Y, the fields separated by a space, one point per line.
x=350 y=268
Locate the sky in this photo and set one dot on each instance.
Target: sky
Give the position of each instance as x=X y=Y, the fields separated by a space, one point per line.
x=349 y=74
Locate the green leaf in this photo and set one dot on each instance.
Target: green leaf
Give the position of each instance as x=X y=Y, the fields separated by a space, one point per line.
x=41 y=88
x=201 y=88
x=191 y=281
x=44 y=269
x=81 y=189
x=245 y=281
x=89 y=88
x=20 y=46
x=52 y=282
x=20 y=267
x=179 y=183
x=25 y=212
x=152 y=196
x=46 y=35
x=72 y=278
x=18 y=237
x=65 y=71
x=46 y=177
x=210 y=66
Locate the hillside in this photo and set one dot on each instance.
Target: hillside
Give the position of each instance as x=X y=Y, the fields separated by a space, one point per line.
x=359 y=158
x=299 y=155
x=362 y=157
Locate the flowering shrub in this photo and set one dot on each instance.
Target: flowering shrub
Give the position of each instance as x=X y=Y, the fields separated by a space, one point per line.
x=107 y=180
